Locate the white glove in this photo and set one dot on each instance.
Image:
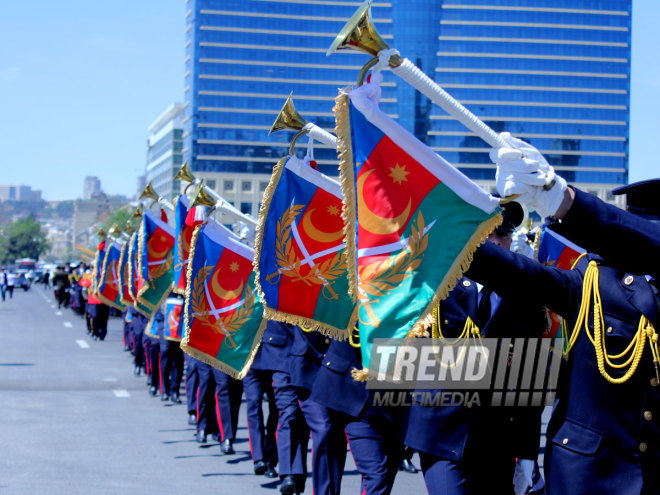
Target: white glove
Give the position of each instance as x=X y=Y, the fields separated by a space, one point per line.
x=523 y=476
x=522 y=170
x=520 y=245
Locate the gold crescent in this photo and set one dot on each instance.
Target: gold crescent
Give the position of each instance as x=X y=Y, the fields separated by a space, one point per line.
x=374 y=223
x=184 y=241
x=319 y=235
x=156 y=255
x=223 y=293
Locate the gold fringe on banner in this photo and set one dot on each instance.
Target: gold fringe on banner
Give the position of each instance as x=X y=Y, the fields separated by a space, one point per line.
x=347 y=181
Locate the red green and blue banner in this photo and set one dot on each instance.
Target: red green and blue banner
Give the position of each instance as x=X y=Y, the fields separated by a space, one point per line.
x=98 y=267
x=555 y=250
x=413 y=220
x=223 y=313
x=110 y=284
x=300 y=253
x=154 y=259
x=124 y=272
x=185 y=221
x=173 y=313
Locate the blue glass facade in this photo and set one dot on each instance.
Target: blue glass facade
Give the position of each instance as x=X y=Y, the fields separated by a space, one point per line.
x=554 y=72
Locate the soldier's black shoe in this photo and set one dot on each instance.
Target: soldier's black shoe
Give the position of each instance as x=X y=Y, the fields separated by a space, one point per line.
x=164 y=397
x=270 y=473
x=153 y=391
x=408 y=467
x=200 y=437
x=192 y=419
x=289 y=486
x=227 y=448
x=137 y=371
x=260 y=467
x=174 y=397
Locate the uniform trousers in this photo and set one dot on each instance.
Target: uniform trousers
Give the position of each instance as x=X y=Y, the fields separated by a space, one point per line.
x=206 y=420
x=263 y=445
x=171 y=366
x=328 y=447
x=376 y=450
x=191 y=384
x=292 y=431
x=228 y=393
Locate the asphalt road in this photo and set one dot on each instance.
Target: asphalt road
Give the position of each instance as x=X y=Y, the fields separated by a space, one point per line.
x=75 y=420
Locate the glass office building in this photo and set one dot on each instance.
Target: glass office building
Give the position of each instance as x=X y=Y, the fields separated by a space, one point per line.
x=553 y=72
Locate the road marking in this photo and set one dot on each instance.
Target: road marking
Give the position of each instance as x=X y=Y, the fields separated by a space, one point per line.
x=58 y=313
x=109 y=379
x=68 y=324
x=82 y=344
x=121 y=393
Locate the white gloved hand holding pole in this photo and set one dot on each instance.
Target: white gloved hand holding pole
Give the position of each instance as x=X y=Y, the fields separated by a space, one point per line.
x=523 y=476
x=520 y=245
x=522 y=170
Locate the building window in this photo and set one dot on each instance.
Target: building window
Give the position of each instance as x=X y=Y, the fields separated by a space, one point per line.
x=246 y=186
x=246 y=208
x=228 y=185
x=210 y=183
x=262 y=186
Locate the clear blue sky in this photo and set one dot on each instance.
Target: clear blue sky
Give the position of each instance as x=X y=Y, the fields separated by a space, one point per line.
x=80 y=82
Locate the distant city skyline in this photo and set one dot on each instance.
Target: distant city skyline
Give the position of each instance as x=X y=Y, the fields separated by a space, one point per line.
x=84 y=90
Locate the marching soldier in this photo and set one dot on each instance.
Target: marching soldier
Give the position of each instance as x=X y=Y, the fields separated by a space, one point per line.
x=456 y=443
x=228 y=393
x=292 y=431
x=604 y=433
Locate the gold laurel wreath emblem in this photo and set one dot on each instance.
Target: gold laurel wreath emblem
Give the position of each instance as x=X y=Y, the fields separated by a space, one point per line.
x=228 y=325
x=381 y=277
x=289 y=264
x=160 y=270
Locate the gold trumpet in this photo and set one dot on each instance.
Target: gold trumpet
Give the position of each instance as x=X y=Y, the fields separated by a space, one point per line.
x=114 y=230
x=184 y=174
x=202 y=198
x=149 y=193
x=138 y=212
x=129 y=229
x=289 y=119
x=360 y=34
x=101 y=233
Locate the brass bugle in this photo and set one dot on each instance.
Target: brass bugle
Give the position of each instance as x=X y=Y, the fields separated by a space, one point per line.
x=149 y=193
x=360 y=34
x=101 y=233
x=288 y=118
x=201 y=197
x=129 y=229
x=138 y=212
x=184 y=174
x=114 y=230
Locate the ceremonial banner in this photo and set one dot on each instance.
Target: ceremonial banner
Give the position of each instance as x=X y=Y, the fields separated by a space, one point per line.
x=151 y=330
x=154 y=259
x=124 y=272
x=185 y=225
x=110 y=287
x=173 y=313
x=223 y=314
x=415 y=219
x=98 y=267
x=300 y=253
x=553 y=249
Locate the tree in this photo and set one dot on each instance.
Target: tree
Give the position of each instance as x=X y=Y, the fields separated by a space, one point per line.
x=120 y=216
x=22 y=239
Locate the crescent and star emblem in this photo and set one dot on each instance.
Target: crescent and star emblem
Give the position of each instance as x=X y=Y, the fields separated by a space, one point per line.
x=220 y=291
x=154 y=254
x=319 y=235
x=372 y=222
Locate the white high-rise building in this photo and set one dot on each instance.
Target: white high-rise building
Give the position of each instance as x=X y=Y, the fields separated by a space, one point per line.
x=91 y=186
x=164 y=151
